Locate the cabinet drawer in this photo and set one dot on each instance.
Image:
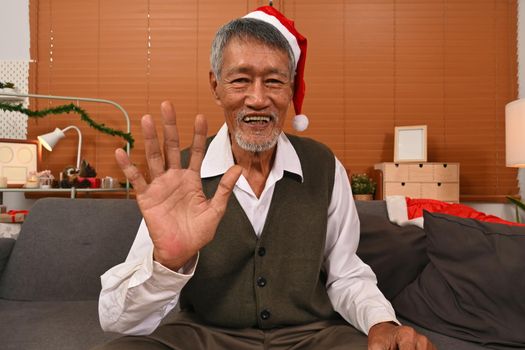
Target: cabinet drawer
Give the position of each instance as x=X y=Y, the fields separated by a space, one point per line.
x=446 y=172
x=408 y=189
x=395 y=172
x=447 y=192
x=420 y=172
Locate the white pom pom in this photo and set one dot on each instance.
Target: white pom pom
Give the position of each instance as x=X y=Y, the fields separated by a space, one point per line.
x=300 y=122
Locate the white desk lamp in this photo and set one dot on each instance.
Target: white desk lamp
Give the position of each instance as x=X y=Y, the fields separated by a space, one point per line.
x=49 y=140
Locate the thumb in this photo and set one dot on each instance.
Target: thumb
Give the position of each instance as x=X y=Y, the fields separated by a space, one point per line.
x=225 y=188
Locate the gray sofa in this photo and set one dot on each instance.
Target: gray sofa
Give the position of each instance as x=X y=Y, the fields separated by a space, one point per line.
x=50 y=283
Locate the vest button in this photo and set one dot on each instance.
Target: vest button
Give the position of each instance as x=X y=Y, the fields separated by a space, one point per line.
x=265 y=314
x=261 y=251
x=261 y=281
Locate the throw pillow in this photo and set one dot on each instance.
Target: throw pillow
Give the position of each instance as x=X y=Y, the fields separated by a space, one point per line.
x=397 y=255
x=474 y=286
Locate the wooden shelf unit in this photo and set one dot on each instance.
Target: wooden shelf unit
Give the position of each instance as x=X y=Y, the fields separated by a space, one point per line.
x=438 y=181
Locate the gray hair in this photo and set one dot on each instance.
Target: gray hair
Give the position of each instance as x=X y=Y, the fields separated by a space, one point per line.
x=245 y=29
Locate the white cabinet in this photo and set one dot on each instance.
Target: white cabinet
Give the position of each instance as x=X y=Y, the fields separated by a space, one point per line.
x=419 y=180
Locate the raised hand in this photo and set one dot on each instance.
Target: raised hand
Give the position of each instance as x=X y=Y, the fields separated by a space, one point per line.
x=180 y=219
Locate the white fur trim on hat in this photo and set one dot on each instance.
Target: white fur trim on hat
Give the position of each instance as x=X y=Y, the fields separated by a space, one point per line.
x=300 y=122
x=275 y=22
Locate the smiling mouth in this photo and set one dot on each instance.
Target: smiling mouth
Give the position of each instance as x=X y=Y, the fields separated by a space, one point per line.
x=257 y=120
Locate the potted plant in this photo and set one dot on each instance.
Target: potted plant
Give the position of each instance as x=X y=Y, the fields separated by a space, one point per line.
x=363 y=187
x=518 y=205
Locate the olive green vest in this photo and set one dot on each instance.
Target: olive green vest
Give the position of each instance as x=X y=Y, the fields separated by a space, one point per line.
x=278 y=279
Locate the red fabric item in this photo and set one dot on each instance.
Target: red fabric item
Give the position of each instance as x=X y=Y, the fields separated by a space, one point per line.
x=299 y=85
x=415 y=209
x=94 y=182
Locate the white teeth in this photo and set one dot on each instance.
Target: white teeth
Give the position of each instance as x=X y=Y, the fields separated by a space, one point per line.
x=256 y=119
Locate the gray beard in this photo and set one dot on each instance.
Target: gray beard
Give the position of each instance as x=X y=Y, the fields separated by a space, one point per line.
x=256 y=147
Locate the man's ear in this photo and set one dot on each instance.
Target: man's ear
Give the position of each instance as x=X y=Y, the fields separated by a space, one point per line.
x=213 y=87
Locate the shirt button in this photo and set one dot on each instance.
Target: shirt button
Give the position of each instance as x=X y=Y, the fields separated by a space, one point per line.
x=261 y=251
x=261 y=281
x=265 y=314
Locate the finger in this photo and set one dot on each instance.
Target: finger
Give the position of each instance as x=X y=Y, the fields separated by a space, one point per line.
x=376 y=346
x=407 y=338
x=171 y=135
x=423 y=343
x=407 y=346
x=198 y=146
x=225 y=188
x=132 y=173
x=151 y=144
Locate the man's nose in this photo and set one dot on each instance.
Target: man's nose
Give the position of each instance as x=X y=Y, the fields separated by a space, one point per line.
x=257 y=96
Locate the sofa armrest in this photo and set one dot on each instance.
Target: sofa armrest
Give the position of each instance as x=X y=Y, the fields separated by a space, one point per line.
x=6 y=245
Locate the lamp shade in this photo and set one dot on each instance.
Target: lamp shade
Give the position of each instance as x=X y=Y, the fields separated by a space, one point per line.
x=50 y=139
x=515 y=133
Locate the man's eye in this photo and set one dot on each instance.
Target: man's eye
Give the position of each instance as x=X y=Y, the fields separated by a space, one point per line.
x=240 y=81
x=274 y=82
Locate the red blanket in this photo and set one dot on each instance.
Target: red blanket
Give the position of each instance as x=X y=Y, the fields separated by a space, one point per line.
x=415 y=209
x=408 y=211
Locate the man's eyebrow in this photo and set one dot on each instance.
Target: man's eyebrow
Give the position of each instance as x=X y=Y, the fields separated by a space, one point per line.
x=238 y=69
x=246 y=69
x=278 y=71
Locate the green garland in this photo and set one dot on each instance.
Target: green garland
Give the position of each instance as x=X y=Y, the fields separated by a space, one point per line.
x=67 y=109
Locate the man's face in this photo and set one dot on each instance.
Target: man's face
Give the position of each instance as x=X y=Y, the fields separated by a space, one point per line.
x=255 y=90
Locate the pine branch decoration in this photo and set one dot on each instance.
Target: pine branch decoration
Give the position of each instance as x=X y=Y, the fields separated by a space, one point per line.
x=68 y=108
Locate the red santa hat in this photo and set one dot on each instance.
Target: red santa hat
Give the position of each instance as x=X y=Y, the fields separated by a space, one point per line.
x=297 y=42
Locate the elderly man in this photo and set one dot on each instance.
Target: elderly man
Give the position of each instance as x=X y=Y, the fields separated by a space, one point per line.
x=274 y=265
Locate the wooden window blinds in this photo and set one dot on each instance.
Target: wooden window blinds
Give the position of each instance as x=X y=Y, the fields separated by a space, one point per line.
x=371 y=66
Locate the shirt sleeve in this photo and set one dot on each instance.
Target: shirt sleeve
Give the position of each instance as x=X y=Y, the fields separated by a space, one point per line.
x=351 y=284
x=137 y=294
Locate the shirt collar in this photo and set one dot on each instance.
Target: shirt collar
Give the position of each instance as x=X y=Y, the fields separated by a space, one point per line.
x=219 y=157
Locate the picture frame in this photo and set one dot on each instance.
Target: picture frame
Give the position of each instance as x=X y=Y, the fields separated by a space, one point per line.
x=17 y=159
x=410 y=144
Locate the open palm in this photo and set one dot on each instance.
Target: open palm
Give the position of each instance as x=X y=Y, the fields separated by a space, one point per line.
x=180 y=219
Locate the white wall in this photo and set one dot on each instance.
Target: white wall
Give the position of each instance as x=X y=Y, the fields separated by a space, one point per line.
x=14 y=42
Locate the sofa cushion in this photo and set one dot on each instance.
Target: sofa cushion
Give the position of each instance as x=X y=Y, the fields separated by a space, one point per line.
x=474 y=286
x=396 y=254
x=6 y=245
x=65 y=245
x=441 y=341
x=36 y=325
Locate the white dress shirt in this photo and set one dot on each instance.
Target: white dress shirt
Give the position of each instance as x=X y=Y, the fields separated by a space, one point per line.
x=137 y=294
